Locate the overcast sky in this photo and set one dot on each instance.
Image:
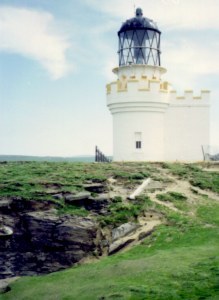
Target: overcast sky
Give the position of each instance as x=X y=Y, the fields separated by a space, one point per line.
x=56 y=58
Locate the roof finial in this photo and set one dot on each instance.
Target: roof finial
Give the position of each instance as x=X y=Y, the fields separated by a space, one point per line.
x=139 y=12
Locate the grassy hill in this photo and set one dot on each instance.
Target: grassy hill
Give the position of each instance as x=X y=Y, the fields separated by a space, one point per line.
x=179 y=260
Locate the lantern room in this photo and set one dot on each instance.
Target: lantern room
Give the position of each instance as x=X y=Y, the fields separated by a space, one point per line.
x=139 y=41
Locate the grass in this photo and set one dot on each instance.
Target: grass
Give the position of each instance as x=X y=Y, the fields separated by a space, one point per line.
x=195 y=175
x=73 y=210
x=41 y=180
x=172 y=196
x=210 y=213
x=178 y=199
x=206 y=181
x=31 y=179
x=179 y=260
x=193 y=278
x=120 y=213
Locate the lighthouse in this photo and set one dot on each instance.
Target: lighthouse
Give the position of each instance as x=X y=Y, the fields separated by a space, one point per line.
x=151 y=122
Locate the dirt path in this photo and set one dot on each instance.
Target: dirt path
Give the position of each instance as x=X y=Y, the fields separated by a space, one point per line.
x=117 y=189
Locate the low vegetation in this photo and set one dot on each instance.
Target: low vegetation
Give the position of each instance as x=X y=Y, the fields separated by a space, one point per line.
x=42 y=180
x=120 y=212
x=179 y=260
x=178 y=199
x=195 y=175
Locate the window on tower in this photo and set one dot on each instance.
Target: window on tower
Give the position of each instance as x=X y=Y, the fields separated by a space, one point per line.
x=138 y=144
x=138 y=140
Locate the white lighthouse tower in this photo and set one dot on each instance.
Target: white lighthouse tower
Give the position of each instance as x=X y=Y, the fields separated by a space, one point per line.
x=140 y=102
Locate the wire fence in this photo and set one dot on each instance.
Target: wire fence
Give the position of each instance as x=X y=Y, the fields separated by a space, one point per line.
x=210 y=153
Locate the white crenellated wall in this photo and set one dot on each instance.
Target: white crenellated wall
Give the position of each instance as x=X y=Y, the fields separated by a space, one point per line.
x=171 y=127
x=186 y=126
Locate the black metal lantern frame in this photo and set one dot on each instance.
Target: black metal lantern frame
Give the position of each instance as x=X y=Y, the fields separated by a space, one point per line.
x=139 y=46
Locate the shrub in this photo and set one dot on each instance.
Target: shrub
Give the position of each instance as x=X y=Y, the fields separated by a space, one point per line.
x=117 y=199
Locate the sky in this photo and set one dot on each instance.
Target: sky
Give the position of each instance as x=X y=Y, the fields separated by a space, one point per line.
x=56 y=57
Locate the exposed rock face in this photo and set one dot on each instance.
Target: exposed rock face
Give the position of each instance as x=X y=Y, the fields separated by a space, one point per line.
x=95 y=187
x=34 y=239
x=5 y=205
x=118 y=245
x=98 y=204
x=19 y=205
x=5 y=284
x=77 y=197
x=43 y=242
x=118 y=233
x=123 y=230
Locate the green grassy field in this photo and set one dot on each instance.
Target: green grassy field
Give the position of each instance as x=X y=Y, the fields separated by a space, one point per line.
x=178 y=261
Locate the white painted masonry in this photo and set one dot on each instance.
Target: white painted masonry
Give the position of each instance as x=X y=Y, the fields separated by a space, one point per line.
x=187 y=127
x=171 y=128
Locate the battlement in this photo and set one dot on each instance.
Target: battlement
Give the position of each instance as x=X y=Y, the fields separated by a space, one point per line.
x=152 y=85
x=189 y=97
x=141 y=83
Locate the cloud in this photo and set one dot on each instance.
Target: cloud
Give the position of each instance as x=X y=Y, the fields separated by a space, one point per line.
x=188 y=60
x=174 y=14
x=34 y=34
x=181 y=20
x=188 y=51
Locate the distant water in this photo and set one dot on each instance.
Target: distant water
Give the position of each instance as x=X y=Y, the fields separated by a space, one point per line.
x=47 y=158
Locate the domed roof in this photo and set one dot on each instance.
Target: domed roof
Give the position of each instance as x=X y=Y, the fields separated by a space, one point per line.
x=139 y=22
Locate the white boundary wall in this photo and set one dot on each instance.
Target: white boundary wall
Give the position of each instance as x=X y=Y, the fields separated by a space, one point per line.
x=186 y=127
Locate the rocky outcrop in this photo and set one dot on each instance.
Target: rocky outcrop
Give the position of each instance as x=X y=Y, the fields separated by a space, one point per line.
x=44 y=242
x=123 y=230
x=5 y=205
x=19 y=205
x=77 y=199
x=5 y=231
x=119 y=245
x=119 y=233
x=35 y=239
x=98 y=204
x=95 y=187
x=5 y=284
